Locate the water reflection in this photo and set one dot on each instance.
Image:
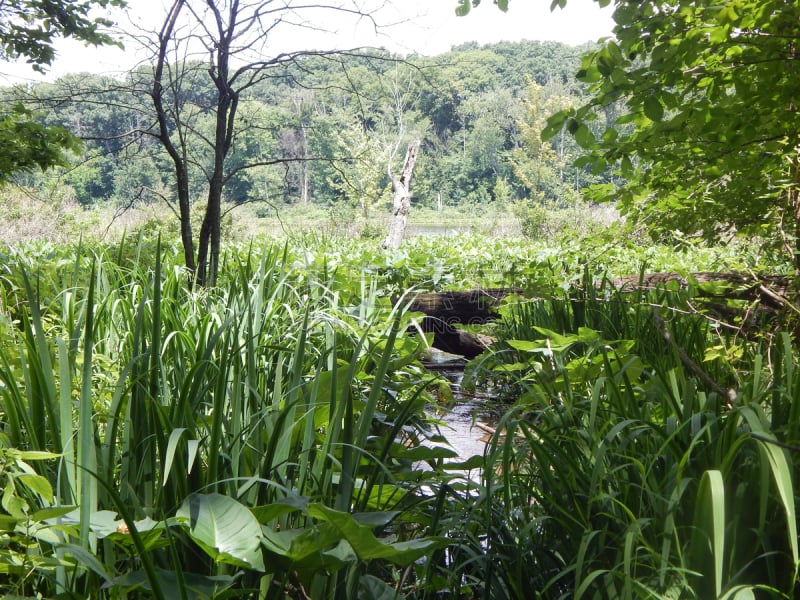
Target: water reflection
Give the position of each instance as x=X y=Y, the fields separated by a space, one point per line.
x=468 y=422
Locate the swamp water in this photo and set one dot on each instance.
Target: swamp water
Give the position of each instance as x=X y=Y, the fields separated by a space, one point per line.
x=468 y=423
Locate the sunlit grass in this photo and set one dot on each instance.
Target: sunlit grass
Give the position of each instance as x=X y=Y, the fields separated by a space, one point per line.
x=286 y=406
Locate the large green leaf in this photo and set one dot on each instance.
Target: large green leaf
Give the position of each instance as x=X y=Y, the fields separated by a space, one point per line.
x=310 y=550
x=196 y=587
x=284 y=506
x=372 y=588
x=367 y=546
x=653 y=109
x=224 y=528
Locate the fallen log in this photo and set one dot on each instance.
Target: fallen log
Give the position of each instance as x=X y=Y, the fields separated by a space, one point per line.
x=445 y=309
x=771 y=290
x=468 y=307
x=452 y=340
x=479 y=306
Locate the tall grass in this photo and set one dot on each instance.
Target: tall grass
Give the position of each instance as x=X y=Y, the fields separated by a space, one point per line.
x=621 y=473
x=267 y=438
x=276 y=391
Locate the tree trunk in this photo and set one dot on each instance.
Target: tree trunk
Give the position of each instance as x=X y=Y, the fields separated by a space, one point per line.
x=185 y=213
x=401 y=197
x=176 y=154
x=304 y=191
x=226 y=106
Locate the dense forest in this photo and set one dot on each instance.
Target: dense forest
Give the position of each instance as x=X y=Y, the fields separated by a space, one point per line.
x=323 y=129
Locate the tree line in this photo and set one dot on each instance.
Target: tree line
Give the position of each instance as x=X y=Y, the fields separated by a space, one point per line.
x=688 y=115
x=322 y=129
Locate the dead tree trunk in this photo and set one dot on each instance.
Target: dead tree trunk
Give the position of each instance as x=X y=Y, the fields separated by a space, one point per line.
x=401 y=196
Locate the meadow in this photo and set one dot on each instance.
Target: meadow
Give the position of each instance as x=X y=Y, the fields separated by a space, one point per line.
x=273 y=437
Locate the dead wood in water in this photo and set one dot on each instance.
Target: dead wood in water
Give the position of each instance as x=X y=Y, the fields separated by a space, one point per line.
x=401 y=198
x=770 y=290
x=443 y=310
x=467 y=307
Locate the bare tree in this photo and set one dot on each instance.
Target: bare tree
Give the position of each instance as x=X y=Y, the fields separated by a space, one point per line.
x=402 y=90
x=231 y=36
x=401 y=198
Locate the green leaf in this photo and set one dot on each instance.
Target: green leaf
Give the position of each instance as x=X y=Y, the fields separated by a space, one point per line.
x=85 y=559
x=426 y=453
x=367 y=546
x=781 y=473
x=473 y=462
x=8 y=523
x=197 y=587
x=463 y=8
x=224 y=528
x=526 y=345
x=34 y=455
x=52 y=512
x=312 y=549
x=555 y=123
x=740 y=592
x=376 y=518
x=102 y=522
x=172 y=446
x=584 y=137
x=653 y=109
x=556 y=339
x=284 y=506
x=709 y=528
x=37 y=484
x=372 y=588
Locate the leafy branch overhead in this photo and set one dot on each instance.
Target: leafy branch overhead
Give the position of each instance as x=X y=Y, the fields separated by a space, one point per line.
x=28 y=30
x=464 y=6
x=694 y=104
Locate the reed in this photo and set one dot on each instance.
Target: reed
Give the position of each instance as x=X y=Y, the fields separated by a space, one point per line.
x=267 y=438
x=621 y=474
x=272 y=405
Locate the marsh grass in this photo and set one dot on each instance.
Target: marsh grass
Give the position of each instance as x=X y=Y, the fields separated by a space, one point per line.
x=276 y=395
x=619 y=473
x=265 y=438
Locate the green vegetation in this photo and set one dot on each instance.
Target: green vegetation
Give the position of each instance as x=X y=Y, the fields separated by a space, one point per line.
x=29 y=30
x=268 y=438
x=694 y=105
x=274 y=432
x=269 y=425
x=318 y=132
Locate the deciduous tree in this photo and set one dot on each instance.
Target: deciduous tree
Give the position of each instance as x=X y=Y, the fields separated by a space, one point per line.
x=28 y=31
x=708 y=136
x=232 y=37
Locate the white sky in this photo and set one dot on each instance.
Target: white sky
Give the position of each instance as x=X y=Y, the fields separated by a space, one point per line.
x=426 y=27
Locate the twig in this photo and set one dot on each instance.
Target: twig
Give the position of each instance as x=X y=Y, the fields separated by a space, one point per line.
x=123 y=209
x=689 y=363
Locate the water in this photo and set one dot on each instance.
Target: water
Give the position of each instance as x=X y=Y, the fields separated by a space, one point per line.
x=428 y=229
x=462 y=428
x=468 y=424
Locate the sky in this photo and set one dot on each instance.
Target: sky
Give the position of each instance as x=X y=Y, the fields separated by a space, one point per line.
x=427 y=27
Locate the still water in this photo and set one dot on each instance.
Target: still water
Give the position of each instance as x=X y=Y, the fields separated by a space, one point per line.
x=467 y=424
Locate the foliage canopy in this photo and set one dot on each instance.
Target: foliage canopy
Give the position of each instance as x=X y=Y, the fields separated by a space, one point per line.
x=28 y=29
x=706 y=139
